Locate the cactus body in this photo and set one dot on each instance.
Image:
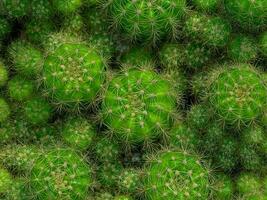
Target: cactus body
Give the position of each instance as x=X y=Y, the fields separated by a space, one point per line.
x=5 y=27
x=3 y=74
x=66 y=7
x=16 y=9
x=4 y=110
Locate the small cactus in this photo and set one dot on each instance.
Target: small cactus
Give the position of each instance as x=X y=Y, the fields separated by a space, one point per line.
x=41 y=9
x=3 y=75
x=223 y=187
x=128 y=181
x=5 y=181
x=16 y=9
x=248 y=184
x=68 y=7
x=138 y=105
x=206 y=5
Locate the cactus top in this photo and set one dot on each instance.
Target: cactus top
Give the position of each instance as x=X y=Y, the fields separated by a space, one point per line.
x=238 y=94
x=73 y=74
x=60 y=174
x=146 y=20
x=138 y=105
x=176 y=175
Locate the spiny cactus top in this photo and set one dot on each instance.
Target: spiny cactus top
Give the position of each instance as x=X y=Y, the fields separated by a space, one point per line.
x=16 y=9
x=251 y=15
x=237 y=94
x=138 y=105
x=146 y=20
x=73 y=74
x=5 y=181
x=60 y=174
x=176 y=175
x=206 y=5
x=66 y=7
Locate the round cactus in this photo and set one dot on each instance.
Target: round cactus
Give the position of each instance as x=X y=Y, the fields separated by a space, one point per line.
x=175 y=175
x=106 y=150
x=250 y=158
x=212 y=31
x=249 y=15
x=137 y=57
x=224 y=187
x=5 y=181
x=78 y=133
x=66 y=8
x=73 y=22
x=237 y=94
x=38 y=30
x=253 y=135
x=20 y=89
x=17 y=191
x=263 y=44
x=242 y=49
x=206 y=5
x=196 y=55
x=5 y=27
x=128 y=181
x=138 y=105
x=4 y=110
x=37 y=110
x=73 y=74
x=16 y=9
x=248 y=184
x=60 y=174
x=198 y=85
x=95 y=21
x=171 y=56
x=27 y=60
x=144 y=20
x=3 y=74
x=41 y=9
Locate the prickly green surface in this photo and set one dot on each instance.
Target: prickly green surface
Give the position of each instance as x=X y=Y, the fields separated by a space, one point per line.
x=206 y=5
x=5 y=27
x=41 y=9
x=224 y=187
x=175 y=175
x=16 y=9
x=138 y=105
x=248 y=184
x=4 y=110
x=73 y=74
x=5 y=180
x=128 y=181
x=3 y=74
x=66 y=7
x=263 y=44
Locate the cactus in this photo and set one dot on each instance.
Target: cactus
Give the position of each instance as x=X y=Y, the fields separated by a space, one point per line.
x=198 y=85
x=237 y=94
x=60 y=174
x=73 y=22
x=5 y=180
x=3 y=75
x=242 y=49
x=106 y=150
x=253 y=135
x=137 y=57
x=175 y=174
x=128 y=181
x=123 y=197
x=249 y=15
x=102 y=196
x=248 y=184
x=209 y=6
x=138 y=105
x=147 y=21
x=212 y=31
x=20 y=89
x=16 y=9
x=250 y=158
x=5 y=27
x=37 y=110
x=171 y=56
x=17 y=191
x=41 y=9
x=4 y=110
x=73 y=75
x=78 y=133
x=37 y=30
x=95 y=21
x=66 y=8
x=263 y=44
x=224 y=187
x=27 y=60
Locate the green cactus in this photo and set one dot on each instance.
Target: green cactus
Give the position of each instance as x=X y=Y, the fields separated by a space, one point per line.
x=41 y=9
x=102 y=196
x=3 y=74
x=171 y=56
x=206 y=5
x=73 y=75
x=68 y=7
x=147 y=21
x=17 y=191
x=224 y=187
x=5 y=180
x=5 y=27
x=128 y=181
x=254 y=135
x=137 y=57
x=237 y=94
x=16 y=9
x=60 y=174
x=210 y=30
x=95 y=21
x=263 y=44
x=73 y=22
x=248 y=184
x=249 y=15
x=242 y=49
x=20 y=89
x=198 y=85
x=78 y=133
x=176 y=175
x=37 y=30
x=138 y=105
x=4 y=110
x=250 y=158
x=123 y=197
x=27 y=60
x=37 y=110
x=106 y=150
